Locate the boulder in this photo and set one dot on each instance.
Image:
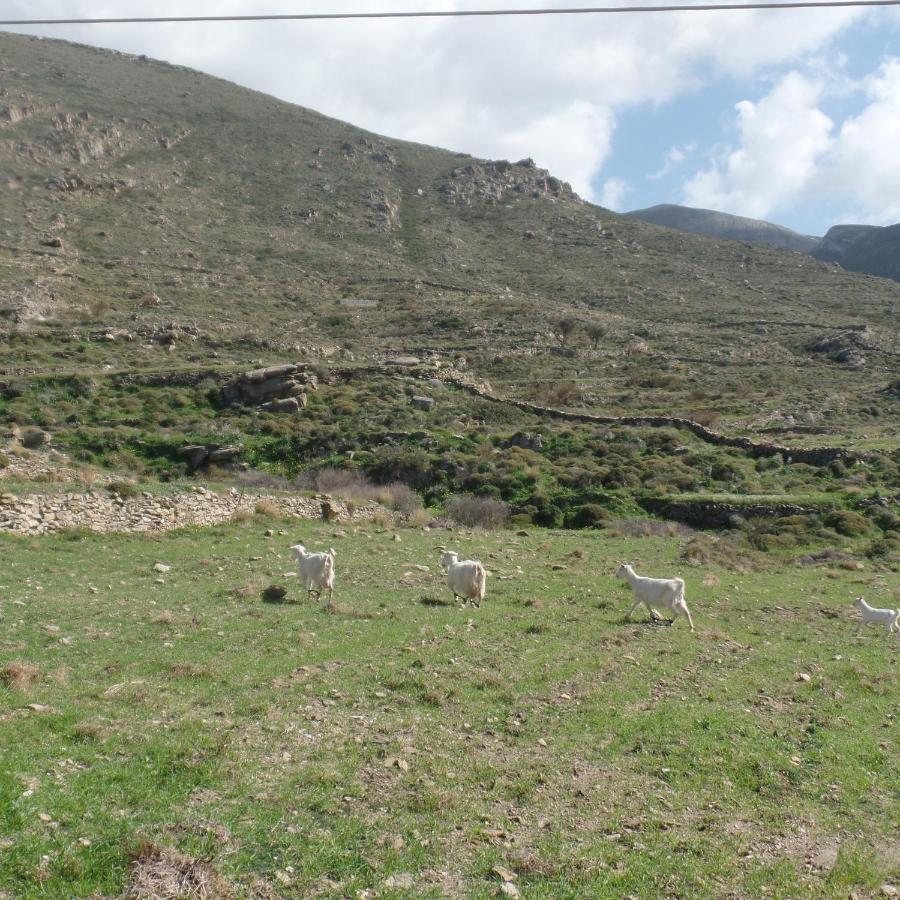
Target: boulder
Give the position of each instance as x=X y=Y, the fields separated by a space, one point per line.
x=288 y=404
x=421 y=402
x=35 y=437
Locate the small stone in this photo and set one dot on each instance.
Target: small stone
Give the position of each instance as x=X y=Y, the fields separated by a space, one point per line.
x=162 y=567
x=504 y=874
x=803 y=676
x=401 y=881
x=508 y=889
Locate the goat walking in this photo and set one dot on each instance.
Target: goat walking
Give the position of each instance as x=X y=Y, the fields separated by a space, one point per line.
x=656 y=593
x=316 y=571
x=890 y=618
x=466 y=578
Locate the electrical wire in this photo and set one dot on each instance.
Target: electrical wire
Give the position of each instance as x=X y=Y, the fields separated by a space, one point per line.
x=454 y=13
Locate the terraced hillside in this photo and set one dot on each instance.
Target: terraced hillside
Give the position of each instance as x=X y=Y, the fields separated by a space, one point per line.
x=162 y=230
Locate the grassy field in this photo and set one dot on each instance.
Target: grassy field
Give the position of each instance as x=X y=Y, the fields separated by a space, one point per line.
x=156 y=726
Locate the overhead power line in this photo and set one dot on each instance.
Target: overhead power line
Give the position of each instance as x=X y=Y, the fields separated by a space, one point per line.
x=455 y=13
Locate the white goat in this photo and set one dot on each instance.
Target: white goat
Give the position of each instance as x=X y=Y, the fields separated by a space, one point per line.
x=316 y=571
x=890 y=618
x=467 y=578
x=656 y=593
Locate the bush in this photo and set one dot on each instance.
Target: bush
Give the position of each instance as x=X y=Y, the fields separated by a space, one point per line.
x=591 y=515
x=847 y=522
x=484 y=512
x=268 y=509
x=124 y=489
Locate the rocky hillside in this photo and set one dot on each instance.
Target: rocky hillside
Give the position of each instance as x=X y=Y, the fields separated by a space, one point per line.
x=725 y=225
x=158 y=224
x=863 y=248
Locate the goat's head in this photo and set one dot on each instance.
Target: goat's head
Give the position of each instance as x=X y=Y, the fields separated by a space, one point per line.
x=859 y=602
x=449 y=558
x=624 y=571
x=298 y=550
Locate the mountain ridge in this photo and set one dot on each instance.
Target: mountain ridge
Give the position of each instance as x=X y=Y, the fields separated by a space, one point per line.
x=724 y=225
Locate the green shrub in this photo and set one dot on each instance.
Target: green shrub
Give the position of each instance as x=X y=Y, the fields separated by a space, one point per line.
x=591 y=515
x=847 y=522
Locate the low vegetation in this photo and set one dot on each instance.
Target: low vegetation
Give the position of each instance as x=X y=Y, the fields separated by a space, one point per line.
x=175 y=727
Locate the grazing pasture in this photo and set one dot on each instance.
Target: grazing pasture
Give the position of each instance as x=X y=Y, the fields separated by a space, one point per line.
x=158 y=725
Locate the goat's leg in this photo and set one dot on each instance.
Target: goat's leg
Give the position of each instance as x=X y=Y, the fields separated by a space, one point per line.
x=687 y=613
x=630 y=612
x=328 y=605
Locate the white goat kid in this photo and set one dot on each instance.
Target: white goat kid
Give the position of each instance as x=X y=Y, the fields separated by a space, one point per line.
x=316 y=571
x=890 y=618
x=656 y=593
x=467 y=578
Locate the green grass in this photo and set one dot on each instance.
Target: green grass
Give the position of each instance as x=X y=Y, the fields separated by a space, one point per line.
x=541 y=733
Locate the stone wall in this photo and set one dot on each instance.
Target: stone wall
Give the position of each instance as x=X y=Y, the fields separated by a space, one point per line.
x=814 y=456
x=35 y=514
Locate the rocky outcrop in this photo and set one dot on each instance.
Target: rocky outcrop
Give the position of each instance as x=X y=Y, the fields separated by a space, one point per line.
x=275 y=388
x=102 y=511
x=200 y=455
x=844 y=347
x=489 y=181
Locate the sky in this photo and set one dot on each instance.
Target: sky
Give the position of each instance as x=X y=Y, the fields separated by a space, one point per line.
x=792 y=116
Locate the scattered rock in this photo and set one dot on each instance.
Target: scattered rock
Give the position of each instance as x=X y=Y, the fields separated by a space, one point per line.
x=402 y=881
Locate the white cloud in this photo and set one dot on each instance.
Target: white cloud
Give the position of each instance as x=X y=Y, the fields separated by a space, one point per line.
x=673 y=159
x=783 y=137
x=612 y=193
x=790 y=151
x=864 y=164
x=547 y=87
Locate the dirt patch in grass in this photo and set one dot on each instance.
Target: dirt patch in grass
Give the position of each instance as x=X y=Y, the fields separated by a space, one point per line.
x=19 y=676
x=164 y=873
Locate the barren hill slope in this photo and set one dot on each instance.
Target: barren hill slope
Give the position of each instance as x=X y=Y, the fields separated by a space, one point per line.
x=156 y=217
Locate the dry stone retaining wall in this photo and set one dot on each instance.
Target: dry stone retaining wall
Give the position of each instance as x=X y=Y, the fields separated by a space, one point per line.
x=100 y=511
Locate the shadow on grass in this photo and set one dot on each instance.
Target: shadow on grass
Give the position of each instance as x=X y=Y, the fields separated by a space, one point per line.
x=435 y=601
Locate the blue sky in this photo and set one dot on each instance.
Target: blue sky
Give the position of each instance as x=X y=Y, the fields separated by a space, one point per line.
x=703 y=121
x=791 y=116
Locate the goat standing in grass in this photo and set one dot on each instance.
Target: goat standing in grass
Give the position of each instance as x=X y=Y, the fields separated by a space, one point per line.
x=316 y=571
x=890 y=618
x=466 y=578
x=656 y=593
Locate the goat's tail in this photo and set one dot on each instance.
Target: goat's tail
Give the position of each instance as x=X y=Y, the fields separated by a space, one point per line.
x=680 y=583
x=480 y=580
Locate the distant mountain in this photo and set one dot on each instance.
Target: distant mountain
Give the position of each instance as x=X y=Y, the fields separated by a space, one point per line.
x=725 y=225
x=863 y=248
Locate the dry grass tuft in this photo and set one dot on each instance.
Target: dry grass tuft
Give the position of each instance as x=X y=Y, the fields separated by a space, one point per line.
x=188 y=670
x=245 y=591
x=166 y=617
x=269 y=509
x=88 y=731
x=19 y=676
x=164 y=873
